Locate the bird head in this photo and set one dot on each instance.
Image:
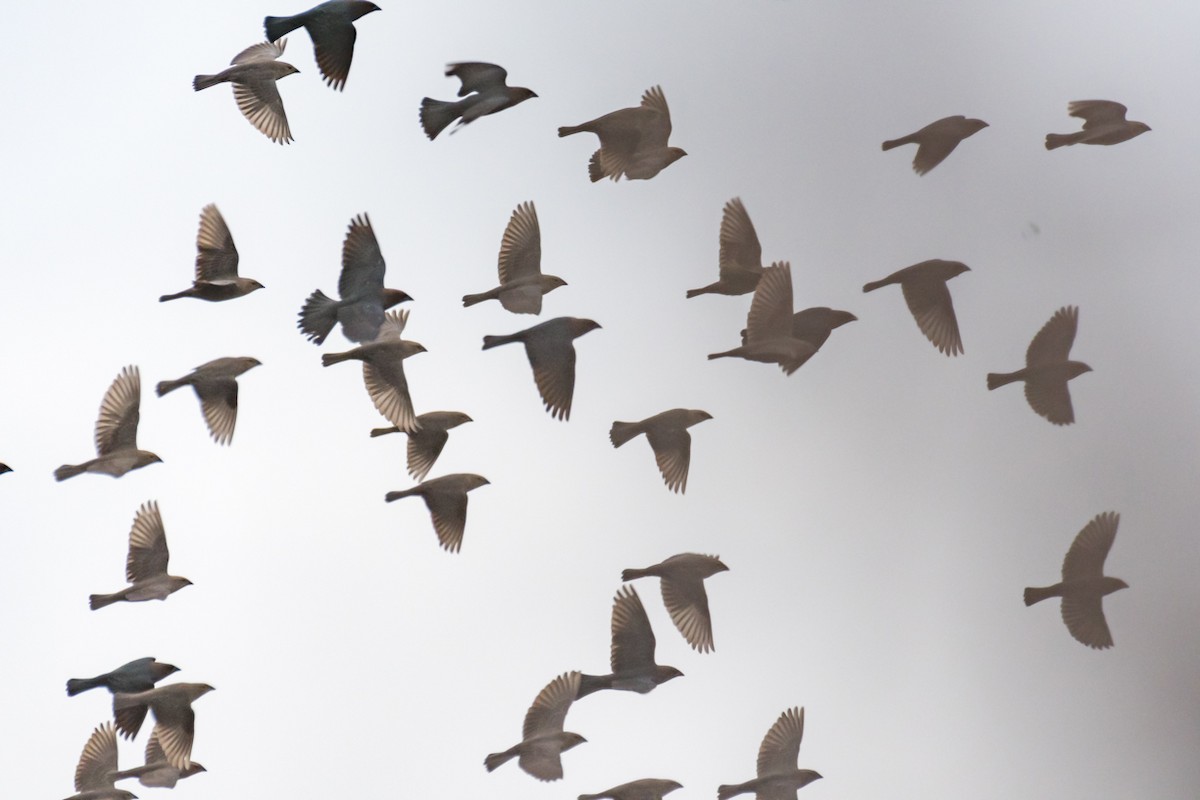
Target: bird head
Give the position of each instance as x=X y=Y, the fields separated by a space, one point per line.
x=570 y=740
x=1113 y=584
x=1077 y=368
x=391 y=297
x=551 y=282
x=581 y=326
x=192 y=770
x=839 y=318
x=696 y=415
x=664 y=674
x=163 y=670
x=974 y=126
x=178 y=583
x=360 y=8
x=146 y=457
x=520 y=94
x=674 y=154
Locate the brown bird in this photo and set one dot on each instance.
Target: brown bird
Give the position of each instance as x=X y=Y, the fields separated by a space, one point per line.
x=924 y=287
x=644 y=789
x=669 y=439
x=1084 y=583
x=682 y=578
x=633 y=141
x=146 y=564
x=543 y=740
x=97 y=763
x=215 y=383
x=446 y=499
x=116 y=432
x=937 y=140
x=1103 y=123
x=778 y=778
x=383 y=370
x=1047 y=368
x=740 y=256
x=632 y=654
x=426 y=442
x=484 y=91
x=768 y=334
x=136 y=676
x=216 y=263
x=522 y=283
x=253 y=76
x=330 y=25
x=551 y=352
x=175 y=722
x=157 y=771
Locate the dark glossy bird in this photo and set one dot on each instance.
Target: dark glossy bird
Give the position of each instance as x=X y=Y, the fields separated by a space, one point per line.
x=330 y=25
x=644 y=789
x=522 y=283
x=175 y=721
x=924 y=287
x=253 y=75
x=768 y=335
x=97 y=763
x=739 y=260
x=937 y=140
x=682 y=579
x=116 y=432
x=136 y=676
x=217 y=276
x=633 y=141
x=778 y=778
x=446 y=499
x=1048 y=368
x=632 y=654
x=215 y=384
x=543 y=740
x=383 y=370
x=484 y=91
x=146 y=564
x=551 y=352
x=426 y=442
x=669 y=439
x=5 y=468
x=1103 y=123
x=157 y=771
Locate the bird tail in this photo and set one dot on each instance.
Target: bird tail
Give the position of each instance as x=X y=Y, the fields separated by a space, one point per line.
x=101 y=600
x=1054 y=140
x=278 y=27
x=383 y=431
x=396 y=495
x=1037 y=595
x=472 y=299
x=596 y=169
x=204 y=81
x=164 y=298
x=726 y=354
x=997 y=379
x=622 y=432
x=68 y=471
x=569 y=130
x=336 y=358
x=436 y=115
x=634 y=574
x=129 y=714
x=702 y=290
x=77 y=685
x=592 y=683
x=496 y=759
x=318 y=316
x=167 y=386
x=890 y=143
x=495 y=341
x=726 y=790
x=873 y=285
x=592 y=796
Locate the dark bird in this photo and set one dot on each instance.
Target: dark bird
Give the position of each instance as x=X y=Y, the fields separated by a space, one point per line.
x=97 y=763
x=1084 y=583
x=543 y=739
x=669 y=439
x=633 y=141
x=522 y=283
x=116 y=432
x=330 y=25
x=682 y=578
x=175 y=721
x=253 y=75
x=924 y=287
x=768 y=334
x=446 y=499
x=5 y=468
x=644 y=789
x=1103 y=123
x=1047 y=368
x=215 y=383
x=157 y=771
x=484 y=91
x=146 y=564
x=551 y=351
x=739 y=260
x=426 y=442
x=778 y=778
x=216 y=263
x=632 y=655
x=937 y=140
x=383 y=370
x=136 y=676
x=360 y=311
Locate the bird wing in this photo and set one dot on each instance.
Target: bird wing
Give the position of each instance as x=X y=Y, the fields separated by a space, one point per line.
x=393 y=326
x=673 y=453
x=384 y=378
x=632 y=637
x=258 y=99
x=116 y=427
x=687 y=602
x=424 y=446
x=148 y=554
x=1096 y=113
x=154 y=750
x=932 y=150
x=780 y=748
x=656 y=129
x=549 y=709
x=477 y=76
x=263 y=51
x=216 y=256
x=770 y=314
x=1052 y=344
x=1086 y=557
x=740 y=251
x=1084 y=616
x=931 y=306
x=521 y=247
x=553 y=362
x=176 y=736
x=1050 y=397
x=333 y=45
x=98 y=759
x=218 y=402
x=448 y=508
x=362 y=262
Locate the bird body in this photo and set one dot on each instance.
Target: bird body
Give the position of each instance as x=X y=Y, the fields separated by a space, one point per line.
x=425 y=443
x=937 y=140
x=175 y=721
x=739 y=259
x=633 y=141
x=146 y=564
x=215 y=384
x=768 y=334
x=116 y=432
x=484 y=91
x=446 y=499
x=778 y=777
x=1047 y=368
x=551 y=352
x=643 y=789
x=928 y=299
x=136 y=676
x=217 y=276
x=383 y=370
x=522 y=283
x=682 y=582
x=543 y=739
x=330 y=25
x=97 y=763
x=669 y=439
x=1103 y=123
x=253 y=74
x=632 y=654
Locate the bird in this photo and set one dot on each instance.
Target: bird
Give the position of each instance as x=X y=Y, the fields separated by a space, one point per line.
x=633 y=141
x=551 y=352
x=814 y=325
x=146 y=564
x=543 y=740
x=522 y=283
x=5 y=468
x=739 y=260
x=632 y=654
x=363 y=297
x=426 y=442
x=682 y=579
x=97 y=763
x=924 y=287
x=116 y=432
x=669 y=439
x=1047 y=368
x=643 y=789
x=937 y=140
x=175 y=721
x=330 y=25
x=1103 y=123
x=253 y=74
x=768 y=334
x=484 y=91
x=136 y=676
x=383 y=370
x=446 y=499
x=215 y=383
x=217 y=276
x=157 y=771
x=1084 y=583
x=778 y=778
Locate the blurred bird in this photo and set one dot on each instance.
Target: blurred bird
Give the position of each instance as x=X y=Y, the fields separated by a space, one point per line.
x=175 y=722
x=216 y=263
x=330 y=25
x=253 y=76
x=522 y=283
x=739 y=261
x=937 y=140
x=1103 y=123
x=146 y=564
x=1047 y=368
x=97 y=763
x=157 y=771
x=682 y=578
x=668 y=437
x=778 y=778
x=383 y=370
x=5 y=468
x=446 y=499
x=1084 y=583
x=361 y=288
x=116 y=432
x=215 y=383
x=924 y=287
x=136 y=676
x=426 y=442
x=644 y=789
x=632 y=654
x=543 y=739
x=551 y=352
x=633 y=141
x=486 y=85
x=768 y=334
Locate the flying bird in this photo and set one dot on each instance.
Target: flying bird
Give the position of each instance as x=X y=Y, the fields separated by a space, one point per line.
x=522 y=283
x=215 y=383
x=644 y=789
x=543 y=739
x=632 y=654
x=1084 y=583
x=146 y=564
x=682 y=578
x=937 y=140
x=446 y=499
x=1048 y=368
x=1103 y=123
x=217 y=276
x=633 y=141
x=330 y=25
x=253 y=75
x=739 y=260
x=484 y=91
x=157 y=771
x=5 y=468
x=94 y=774
x=136 y=676
x=669 y=439
x=551 y=352
x=924 y=287
x=383 y=370
x=426 y=442
x=175 y=721
x=768 y=335
x=778 y=778
x=116 y=432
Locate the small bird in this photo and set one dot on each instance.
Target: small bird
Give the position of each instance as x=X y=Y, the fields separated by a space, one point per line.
x=739 y=260
x=215 y=383
x=682 y=578
x=5 y=468
x=216 y=263
x=937 y=140
x=551 y=352
x=136 y=676
x=383 y=370
x=426 y=442
x=361 y=288
x=522 y=283
x=543 y=740
x=146 y=564
x=253 y=75
x=97 y=763
x=669 y=439
x=633 y=141
x=814 y=325
x=116 y=432
x=644 y=789
x=484 y=91
x=1084 y=583
x=175 y=721
x=446 y=499
x=1103 y=123
x=778 y=778
x=768 y=334
x=157 y=771
x=1047 y=368
x=924 y=287
x=632 y=654
x=330 y=25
